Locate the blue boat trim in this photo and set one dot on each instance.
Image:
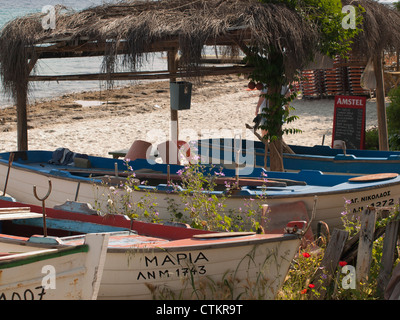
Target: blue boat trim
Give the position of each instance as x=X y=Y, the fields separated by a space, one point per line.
x=322 y=158
x=69 y=225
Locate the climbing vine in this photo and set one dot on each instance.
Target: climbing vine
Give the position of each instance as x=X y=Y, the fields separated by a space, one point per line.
x=268 y=61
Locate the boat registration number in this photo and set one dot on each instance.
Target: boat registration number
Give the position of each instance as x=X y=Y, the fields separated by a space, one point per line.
x=28 y=294
x=167 y=273
x=381 y=199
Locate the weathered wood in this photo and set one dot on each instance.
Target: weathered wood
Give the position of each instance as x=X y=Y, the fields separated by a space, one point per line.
x=21 y=102
x=149 y=75
x=389 y=246
x=329 y=263
x=374 y=177
x=66 y=46
x=14 y=209
x=172 y=68
x=364 y=255
x=22 y=118
x=351 y=247
x=15 y=213
x=392 y=291
x=380 y=104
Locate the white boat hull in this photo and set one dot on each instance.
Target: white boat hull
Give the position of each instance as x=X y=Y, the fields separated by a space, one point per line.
x=36 y=273
x=188 y=272
x=330 y=205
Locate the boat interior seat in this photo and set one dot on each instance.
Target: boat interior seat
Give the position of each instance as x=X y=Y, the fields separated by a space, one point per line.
x=139 y=149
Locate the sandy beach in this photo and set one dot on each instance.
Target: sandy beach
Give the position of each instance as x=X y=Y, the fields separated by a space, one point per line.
x=101 y=121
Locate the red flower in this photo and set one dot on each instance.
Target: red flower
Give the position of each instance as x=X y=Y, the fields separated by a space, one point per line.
x=342 y=263
x=311 y=286
x=306 y=255
x=304 y=291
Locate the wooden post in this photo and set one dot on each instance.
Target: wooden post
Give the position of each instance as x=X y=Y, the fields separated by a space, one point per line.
x=364 y=256
x=389 y=246
x=380 y=103
x=329 y=263
x=172 y=68
x=174 y=127
x=22 y=115
x=22 y=118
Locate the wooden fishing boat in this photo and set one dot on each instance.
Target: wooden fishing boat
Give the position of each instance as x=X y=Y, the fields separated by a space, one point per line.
x=321 y=158
x=146 y=260
x=70 y=182
x=44 y=268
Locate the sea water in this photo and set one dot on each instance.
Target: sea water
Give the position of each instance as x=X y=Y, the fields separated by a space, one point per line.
x=11 y=9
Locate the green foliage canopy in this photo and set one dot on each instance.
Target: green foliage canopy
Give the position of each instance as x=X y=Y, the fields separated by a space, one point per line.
x=324 y=15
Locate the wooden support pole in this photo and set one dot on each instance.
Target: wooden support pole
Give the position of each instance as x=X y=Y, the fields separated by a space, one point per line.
x=22 y=117
x=364 y=256
x=22 y=114
x=172 y=68
x=380 y=103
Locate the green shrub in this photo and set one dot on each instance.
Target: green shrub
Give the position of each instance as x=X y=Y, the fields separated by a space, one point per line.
x=393 y=119
x=372 y=139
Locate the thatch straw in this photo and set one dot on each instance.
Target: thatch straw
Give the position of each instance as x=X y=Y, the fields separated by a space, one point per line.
x=192 y=23
x=381 y=28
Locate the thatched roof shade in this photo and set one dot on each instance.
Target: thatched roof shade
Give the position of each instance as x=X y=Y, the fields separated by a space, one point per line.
x=381 y=28
x=137 y=27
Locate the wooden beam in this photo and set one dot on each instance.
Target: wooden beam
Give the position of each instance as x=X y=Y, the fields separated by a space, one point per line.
x=364 y=255
x=147 y=75
x=380 y=103
x=329 y=263
x=90 y=49
x=66 y=46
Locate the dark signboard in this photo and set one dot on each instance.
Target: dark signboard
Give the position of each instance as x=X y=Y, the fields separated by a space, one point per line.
x=349 y=121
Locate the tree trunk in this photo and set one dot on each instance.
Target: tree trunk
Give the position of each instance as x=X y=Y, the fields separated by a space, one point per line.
x=276 y=155
x=276 y=146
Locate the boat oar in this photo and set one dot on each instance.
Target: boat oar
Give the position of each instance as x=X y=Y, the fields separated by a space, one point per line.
x=10 y=161
x=43 y=206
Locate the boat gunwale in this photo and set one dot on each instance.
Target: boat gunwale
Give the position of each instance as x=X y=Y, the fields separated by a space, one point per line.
x=29 y=257
x=257 y=151
x=170 y=247
x=286 y=194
